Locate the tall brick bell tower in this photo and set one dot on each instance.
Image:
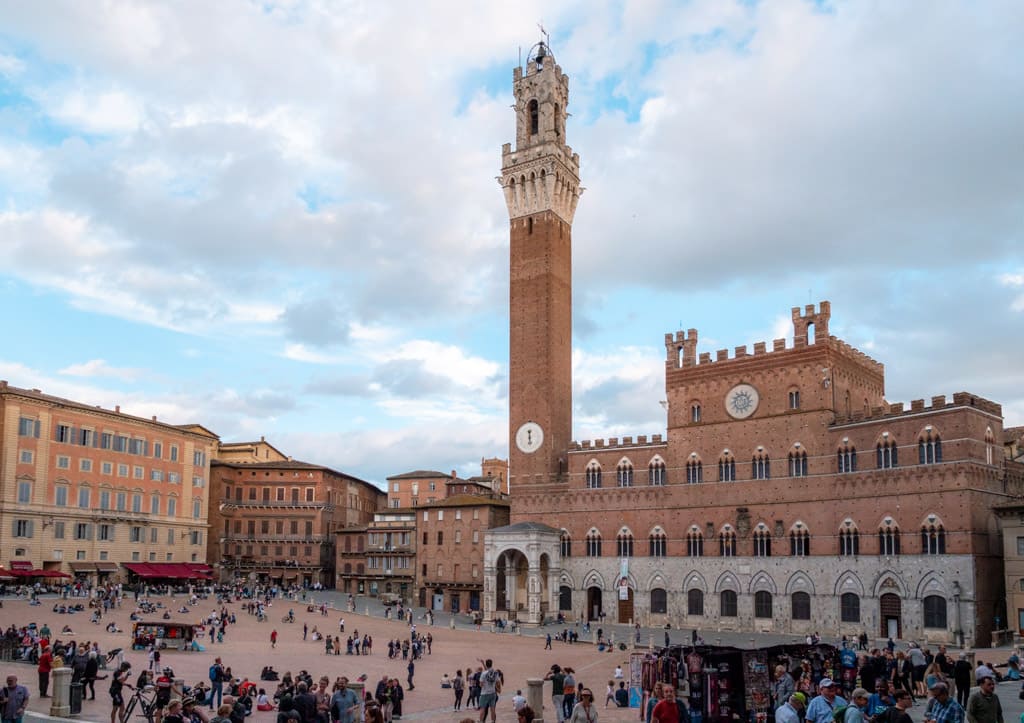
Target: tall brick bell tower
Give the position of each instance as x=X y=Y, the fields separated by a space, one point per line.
x=540 y=178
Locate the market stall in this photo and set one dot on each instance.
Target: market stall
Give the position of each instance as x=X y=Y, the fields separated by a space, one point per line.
x=725 y=684
x=163 y=634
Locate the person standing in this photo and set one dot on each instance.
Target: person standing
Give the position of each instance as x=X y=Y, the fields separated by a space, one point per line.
x=344 y=703
x=557 y=678
x=820 y=709
x=458 y=686
x=411 y=668
x=944 y=709
x=983 y=705
x=792 y=710
x=490 y=687
x=13 y=701
x=666 y=710
x=859 y=704
x=585 y=711
x=216 y=684
x=273 y=638
x=116 y=687
x=92 y=671
x=962 y=678
x=45 y=666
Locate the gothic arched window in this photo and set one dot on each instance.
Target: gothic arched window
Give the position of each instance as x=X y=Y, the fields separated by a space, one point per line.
x=624 y=474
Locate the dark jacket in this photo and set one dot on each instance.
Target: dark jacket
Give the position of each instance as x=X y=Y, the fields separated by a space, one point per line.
x=305 y=703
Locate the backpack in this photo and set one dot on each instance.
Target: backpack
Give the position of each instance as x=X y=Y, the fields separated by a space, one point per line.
x=839 y=713
x=682 y=711
x=214 y=673
x=457 y=682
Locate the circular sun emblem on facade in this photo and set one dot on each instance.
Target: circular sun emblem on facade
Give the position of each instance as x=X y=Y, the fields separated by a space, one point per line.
x=741 y=401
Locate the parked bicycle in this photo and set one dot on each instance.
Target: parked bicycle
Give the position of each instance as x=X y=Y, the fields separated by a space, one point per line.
x=145 y=698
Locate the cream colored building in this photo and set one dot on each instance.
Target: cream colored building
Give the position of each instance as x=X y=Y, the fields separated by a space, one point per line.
x=84 y=489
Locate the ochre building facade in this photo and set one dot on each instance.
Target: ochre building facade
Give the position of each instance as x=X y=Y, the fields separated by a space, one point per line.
x=787 y=496
x=85 y=489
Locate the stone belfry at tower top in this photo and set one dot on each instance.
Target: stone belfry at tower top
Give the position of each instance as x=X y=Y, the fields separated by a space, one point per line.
x=540 y=179
x=542 y=172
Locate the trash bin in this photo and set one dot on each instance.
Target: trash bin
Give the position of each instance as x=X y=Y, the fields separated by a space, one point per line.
x=76 y=698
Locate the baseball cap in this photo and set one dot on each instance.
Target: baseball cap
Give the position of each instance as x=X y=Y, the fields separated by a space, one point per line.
x=801 y=697
x=826 y=683
x=939 y=686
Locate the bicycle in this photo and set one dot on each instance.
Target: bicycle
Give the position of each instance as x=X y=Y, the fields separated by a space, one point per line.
x=288 y=619
x=146 y=704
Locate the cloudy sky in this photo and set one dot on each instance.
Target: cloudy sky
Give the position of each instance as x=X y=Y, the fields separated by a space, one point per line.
x=281 y=218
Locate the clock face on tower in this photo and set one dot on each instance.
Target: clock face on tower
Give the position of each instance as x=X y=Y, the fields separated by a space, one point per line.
x=741 y=401
x=529 y=437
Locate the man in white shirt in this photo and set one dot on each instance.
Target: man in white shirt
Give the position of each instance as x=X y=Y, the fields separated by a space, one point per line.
x=518 y=701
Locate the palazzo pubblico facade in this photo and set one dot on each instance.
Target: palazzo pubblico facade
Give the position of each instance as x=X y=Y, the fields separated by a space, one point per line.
x=787 y=496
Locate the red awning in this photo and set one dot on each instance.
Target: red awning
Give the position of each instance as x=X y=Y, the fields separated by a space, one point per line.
x=140 y=568
x=49 y=573
x=171 y=570
x=21 y=565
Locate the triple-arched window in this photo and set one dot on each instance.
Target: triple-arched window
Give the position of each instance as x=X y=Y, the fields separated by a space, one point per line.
x=624 y=543
x=798 y=463
x=694 y=470
x=846 y=459
x=593 y=475
x=593 y=544
x=727 y=467
x=624 y=474
x=761 y=466
x=656 y=472
x=657 y=543
x=887 y=453
x=929 y=447
x=888 y=538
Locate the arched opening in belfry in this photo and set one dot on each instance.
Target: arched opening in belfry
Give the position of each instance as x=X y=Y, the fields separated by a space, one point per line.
x=534 y=110
x=810 y=333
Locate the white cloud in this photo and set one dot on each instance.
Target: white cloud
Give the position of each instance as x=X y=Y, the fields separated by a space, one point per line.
x=98 y=112
x=11 y=65
x=100 y=368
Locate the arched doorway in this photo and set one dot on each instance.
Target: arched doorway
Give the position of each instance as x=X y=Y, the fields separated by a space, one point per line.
x=625 y=606
x=594 y=603
x=565 y=598
x=890 y=616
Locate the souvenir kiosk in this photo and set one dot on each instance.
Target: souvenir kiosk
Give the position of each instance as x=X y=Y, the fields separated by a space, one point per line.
x=724 y=684
x=163 y=634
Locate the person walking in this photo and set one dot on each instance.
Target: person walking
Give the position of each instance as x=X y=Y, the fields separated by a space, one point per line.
x=273 y=638
x=411 y=668
x=983 y=705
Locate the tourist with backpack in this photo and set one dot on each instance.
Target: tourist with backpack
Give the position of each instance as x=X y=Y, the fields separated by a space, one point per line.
x=216 y=684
